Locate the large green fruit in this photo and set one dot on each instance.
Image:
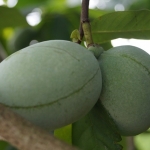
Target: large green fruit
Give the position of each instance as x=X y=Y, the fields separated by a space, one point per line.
x=52 y=83
x=126 y=88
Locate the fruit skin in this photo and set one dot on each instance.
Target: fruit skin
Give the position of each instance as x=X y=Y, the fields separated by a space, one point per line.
x=126 y=88
x=51 y=84
x=96 y=50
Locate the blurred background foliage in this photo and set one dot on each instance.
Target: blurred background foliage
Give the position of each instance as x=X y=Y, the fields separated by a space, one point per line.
x=25 y=22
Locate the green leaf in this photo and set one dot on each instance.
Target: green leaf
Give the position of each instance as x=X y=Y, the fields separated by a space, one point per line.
x=11 y=17
x=64 y=134
x=75 y=35
x=96 y=131
x=3 y=145
x=6 y=146
x=26 y=3
x=140 y=4
x=107 y=45
x=54 y=26
x=125 y=24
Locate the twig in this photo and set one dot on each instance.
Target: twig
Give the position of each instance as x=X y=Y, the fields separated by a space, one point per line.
x=26 y=136
x=130 y=143
x=85 y=11
x=84 y=17
x=85 y=28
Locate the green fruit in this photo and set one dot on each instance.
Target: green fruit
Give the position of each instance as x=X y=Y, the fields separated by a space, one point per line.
x=126 y=88
x=51 y=84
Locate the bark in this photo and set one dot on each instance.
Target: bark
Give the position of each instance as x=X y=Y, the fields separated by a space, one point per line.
x=26 y=136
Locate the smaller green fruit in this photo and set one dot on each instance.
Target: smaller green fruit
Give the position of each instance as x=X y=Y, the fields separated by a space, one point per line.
x=126 y=88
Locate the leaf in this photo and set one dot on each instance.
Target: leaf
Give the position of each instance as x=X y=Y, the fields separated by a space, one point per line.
x=26 y=3
x=64 y=134
x=75 y=35
x=96 y=131
x=3 y=145
x=51 y=28
x=140 y=4
x=107 y=45
x=6 y=146
x=11 y=148
x=11 y=17
x=125 y=24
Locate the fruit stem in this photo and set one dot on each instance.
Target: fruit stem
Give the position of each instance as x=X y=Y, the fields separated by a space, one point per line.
x=85 y=28
x=87 y=33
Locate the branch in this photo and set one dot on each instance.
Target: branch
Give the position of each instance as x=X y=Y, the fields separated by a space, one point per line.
x=85 y=11
x=26 y=136
x=130 y=143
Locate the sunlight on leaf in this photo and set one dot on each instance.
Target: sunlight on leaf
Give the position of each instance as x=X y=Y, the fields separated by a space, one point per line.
x=64 y=134
x=142 y=141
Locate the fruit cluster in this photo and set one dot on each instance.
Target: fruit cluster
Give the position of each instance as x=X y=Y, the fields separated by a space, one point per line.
x=55 y=83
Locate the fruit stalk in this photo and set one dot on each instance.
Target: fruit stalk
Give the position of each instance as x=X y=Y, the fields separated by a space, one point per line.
x=87 y=34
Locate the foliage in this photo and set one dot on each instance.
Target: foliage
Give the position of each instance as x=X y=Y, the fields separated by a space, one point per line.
x=17 y=19
x=97 y=129
x=127 y=24
x=57 y=22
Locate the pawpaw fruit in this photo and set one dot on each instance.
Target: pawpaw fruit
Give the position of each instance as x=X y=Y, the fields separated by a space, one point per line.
x=51 y=84
x=126 y=88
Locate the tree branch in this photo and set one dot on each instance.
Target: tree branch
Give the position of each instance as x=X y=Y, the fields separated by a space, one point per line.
x=85 y=11
x=26 y=136
x=130 y=143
